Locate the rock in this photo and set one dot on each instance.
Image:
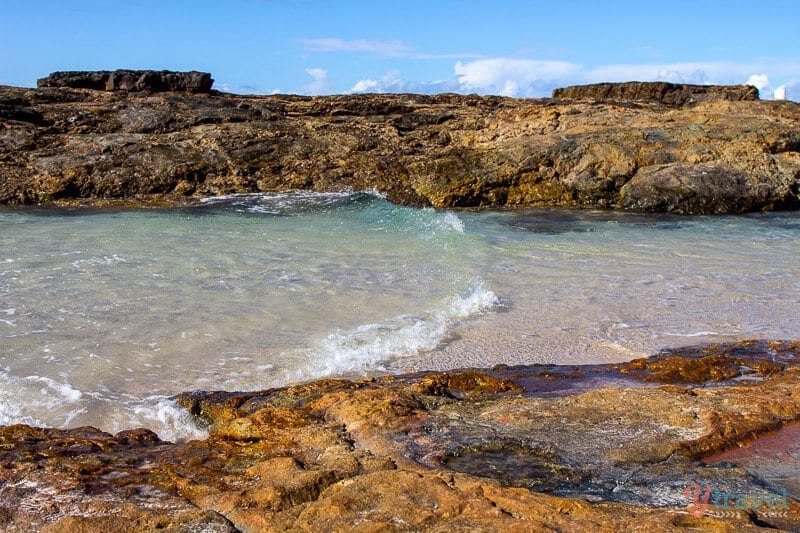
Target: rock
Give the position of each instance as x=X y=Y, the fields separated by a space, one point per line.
x=489 y=450
x=131 y=81
x=657 y=91
x=694 y=189
x=68 y=145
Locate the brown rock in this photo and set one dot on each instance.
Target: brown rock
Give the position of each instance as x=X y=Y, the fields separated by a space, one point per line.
x=131 y=81
x=466 y=450
x=658 y=91
x=159 y=148
x=465 y=385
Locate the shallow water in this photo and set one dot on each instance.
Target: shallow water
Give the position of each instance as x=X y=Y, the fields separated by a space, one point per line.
x=104 y=315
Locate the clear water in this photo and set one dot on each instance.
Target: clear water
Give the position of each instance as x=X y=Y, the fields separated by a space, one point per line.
x=104 y=315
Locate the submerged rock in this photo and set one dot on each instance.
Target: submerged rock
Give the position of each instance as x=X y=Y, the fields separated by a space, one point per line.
x=493 y=450
x=630 y=148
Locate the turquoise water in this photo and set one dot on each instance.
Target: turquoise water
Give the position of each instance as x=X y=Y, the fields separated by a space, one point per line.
x=104 y=315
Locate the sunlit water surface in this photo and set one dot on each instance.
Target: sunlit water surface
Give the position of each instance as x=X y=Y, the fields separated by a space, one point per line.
x=105 y=315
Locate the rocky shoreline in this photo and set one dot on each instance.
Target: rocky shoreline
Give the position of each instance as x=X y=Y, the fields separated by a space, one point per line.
x=160 y=138
x=701 y=437
x=598 y=448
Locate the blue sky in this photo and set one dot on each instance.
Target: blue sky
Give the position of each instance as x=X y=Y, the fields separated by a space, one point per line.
x=514 y=48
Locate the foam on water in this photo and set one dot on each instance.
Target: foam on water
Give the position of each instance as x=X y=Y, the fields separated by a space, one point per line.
x=692 y=334
x=42 y=401
x=106 y=315
x=25 y=400
x=451 y=221
x=288 y=202
x=167 y=419
x=374 y=346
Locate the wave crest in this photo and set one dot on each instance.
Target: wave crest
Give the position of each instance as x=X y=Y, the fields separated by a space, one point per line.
x=370 y=346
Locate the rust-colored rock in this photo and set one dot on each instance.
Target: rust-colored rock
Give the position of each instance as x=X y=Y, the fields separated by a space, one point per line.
x=464 y=450
x=466 y=384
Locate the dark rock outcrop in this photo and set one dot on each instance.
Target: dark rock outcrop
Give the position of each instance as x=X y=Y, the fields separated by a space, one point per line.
x=718 y=155
x=697 y=189
x=677 y=94
x=131 y=81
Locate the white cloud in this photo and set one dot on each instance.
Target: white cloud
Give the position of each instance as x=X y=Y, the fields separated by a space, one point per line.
x=512 y=77
x=759 y=81
x=696 y=73
x=366 y=86
x=531 y=78
x=392 y=82
x=381 y=48
x=238 y=89
x=390 y=49
x=321 y=83
x=511 y=88
x=788 y=91
x=404 y=86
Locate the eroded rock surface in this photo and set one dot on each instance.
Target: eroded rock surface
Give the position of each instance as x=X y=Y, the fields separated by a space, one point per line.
x=131 y=81
x=597 y=448
x=658 y=91
x=716 y=155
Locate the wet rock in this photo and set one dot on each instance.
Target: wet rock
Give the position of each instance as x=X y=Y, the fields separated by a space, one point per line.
x=471 y=385
x=603 y=447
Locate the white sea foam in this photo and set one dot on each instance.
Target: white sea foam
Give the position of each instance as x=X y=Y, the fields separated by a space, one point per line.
x=370 y=346
x=42 y=401
x=432 y=224
x=167 y=419
x=11 y=311
x=20 y=398
x=66 y=391
x=451 y=220
x=692 y=334
x=375 y=192
x=277 y=197
x=96 y=261
x=286 y=202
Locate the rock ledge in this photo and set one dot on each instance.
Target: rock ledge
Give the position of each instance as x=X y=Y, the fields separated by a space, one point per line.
x=131 y=81
x=658 y=91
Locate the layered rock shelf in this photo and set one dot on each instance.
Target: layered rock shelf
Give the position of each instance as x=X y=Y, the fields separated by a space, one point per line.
x=583 y=448
x=677 y=94
x=644 y=147
x=131 y=81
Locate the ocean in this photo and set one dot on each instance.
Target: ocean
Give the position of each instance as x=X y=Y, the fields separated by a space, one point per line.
x=106 y=314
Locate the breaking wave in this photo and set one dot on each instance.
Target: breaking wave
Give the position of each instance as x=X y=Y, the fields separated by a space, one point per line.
x=372 y=346
x=289 y=203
